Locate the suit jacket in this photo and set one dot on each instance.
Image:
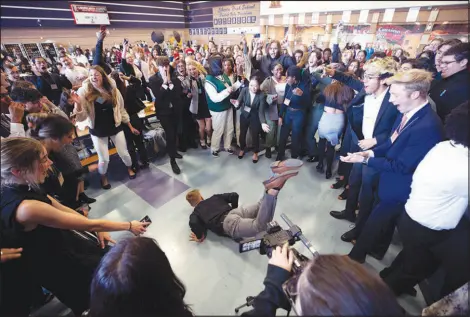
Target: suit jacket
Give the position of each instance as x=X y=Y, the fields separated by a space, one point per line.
x=165 y=99
x=397 y=161
x=256 y=109
x=355 y=113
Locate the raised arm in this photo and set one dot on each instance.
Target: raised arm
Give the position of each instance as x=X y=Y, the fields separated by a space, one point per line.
x=354 y=83
x=98 y=57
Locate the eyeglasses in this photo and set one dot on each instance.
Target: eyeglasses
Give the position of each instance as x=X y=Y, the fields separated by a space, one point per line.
x=369 y=77
x=447 y=63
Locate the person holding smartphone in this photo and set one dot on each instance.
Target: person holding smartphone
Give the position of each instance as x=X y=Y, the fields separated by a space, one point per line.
x=52 y=256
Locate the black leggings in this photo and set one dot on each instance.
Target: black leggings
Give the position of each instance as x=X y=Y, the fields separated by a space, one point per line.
x=135 y=141
x=325 y=148
x=255 y=130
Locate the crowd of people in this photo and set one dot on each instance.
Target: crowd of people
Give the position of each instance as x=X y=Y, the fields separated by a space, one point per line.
x=399 y=126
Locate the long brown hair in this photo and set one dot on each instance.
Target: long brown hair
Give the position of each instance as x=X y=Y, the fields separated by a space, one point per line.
x=339 y=94
x=335 y=285
x=92 y=93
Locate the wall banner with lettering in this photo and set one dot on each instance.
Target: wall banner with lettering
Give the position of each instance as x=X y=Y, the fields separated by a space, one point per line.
x=245 y=15
x=208 y=31
x=395 y=34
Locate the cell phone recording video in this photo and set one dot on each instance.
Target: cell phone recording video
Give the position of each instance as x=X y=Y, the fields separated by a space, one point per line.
x=146 y=219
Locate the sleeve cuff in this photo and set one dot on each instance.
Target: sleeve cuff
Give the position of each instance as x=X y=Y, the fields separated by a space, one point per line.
x=17 y=129
x=277 y=275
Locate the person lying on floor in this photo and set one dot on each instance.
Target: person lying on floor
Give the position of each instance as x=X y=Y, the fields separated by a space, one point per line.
x=222 y=215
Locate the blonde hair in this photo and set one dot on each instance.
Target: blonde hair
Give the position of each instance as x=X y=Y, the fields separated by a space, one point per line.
x=413 y=80
x=198 y=66
x=22 y=154
x=137 y=49
x=193 y=197
x=381 y=66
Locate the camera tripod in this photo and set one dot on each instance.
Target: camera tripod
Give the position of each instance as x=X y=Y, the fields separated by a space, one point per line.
x=249 y=302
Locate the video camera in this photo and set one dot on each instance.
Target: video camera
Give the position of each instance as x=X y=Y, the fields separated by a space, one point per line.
x=275 y=236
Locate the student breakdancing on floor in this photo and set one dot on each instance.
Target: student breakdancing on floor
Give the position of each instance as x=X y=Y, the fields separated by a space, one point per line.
x=222 y=215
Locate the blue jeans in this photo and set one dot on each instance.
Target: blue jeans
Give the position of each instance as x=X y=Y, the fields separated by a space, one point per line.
x=312 y=126
x=292 y=121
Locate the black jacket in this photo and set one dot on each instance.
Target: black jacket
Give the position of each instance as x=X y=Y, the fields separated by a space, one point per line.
x=132 y=101
x=210 y=213
x=449 y=93
x=165 y=99
x=272 y=297
x=255 y=110
x=45 y=84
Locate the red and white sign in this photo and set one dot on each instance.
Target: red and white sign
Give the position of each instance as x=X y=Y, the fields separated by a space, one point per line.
x=89 y=14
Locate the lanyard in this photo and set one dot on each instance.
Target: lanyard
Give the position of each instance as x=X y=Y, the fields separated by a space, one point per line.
x=47 y=81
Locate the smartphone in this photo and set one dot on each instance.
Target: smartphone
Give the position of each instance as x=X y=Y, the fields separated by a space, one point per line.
x=146 y=219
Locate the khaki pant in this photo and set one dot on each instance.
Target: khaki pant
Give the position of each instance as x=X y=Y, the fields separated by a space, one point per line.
x=222 y=122
x=247 y=221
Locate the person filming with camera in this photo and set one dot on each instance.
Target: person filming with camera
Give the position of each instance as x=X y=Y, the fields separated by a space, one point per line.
x=329 y=285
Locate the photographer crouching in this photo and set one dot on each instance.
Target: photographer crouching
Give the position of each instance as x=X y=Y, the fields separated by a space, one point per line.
x=329 y=285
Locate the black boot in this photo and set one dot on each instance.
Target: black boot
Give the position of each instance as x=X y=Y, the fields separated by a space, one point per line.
x=320 y=168
x=268 y=152
x=175 y=166
x=83 y=198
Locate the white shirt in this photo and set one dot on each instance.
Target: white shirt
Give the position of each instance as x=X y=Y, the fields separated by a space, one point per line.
x=252 y=98
x=74 y=75
x=144 y=68
x=439 y=191
x=372 y=106
x=82 y=59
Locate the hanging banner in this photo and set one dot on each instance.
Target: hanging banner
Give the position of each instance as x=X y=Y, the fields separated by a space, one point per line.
x=363 y=16
x=412 y=15
x=243 y=15
x=388 y=15
x=301 y=19
x=84 y=14
x=395 y=34
x=315 y=17
x=346 y=16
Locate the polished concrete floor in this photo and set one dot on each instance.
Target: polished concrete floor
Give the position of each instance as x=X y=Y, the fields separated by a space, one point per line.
x=216 y=276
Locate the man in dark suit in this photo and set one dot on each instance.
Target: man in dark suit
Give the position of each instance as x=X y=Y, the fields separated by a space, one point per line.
x=416 y=130
x=48 y=84
x=370 y=119
x=165 y=102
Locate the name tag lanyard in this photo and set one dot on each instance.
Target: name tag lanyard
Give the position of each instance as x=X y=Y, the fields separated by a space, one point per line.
x=287 y=100
x=53 y=85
